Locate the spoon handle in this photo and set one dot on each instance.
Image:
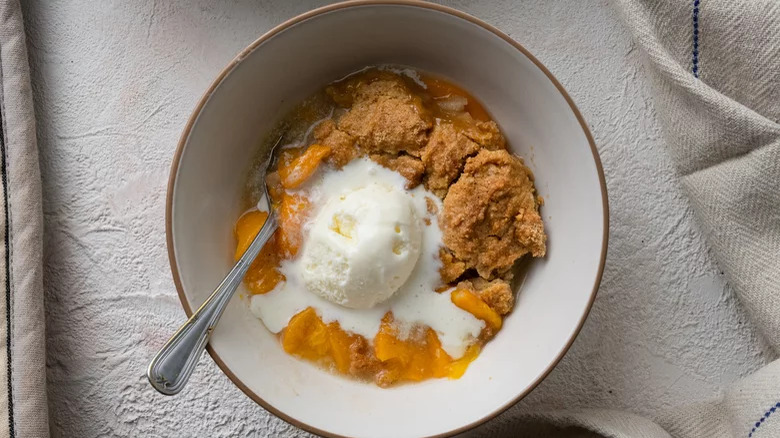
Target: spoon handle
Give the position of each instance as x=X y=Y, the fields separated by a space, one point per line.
x=174 y=363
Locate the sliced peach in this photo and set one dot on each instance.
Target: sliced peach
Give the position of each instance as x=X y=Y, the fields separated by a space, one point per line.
x=292 y=214
x=340 y=342
x=294 y=335
x=439 y=88
x=387 y=346
x=417 y=369
x=417 y=358
x=247 y=227
x=288 y=155
x=298 y=170
x=306 y=336
x=473 y=304
x=458 y=367
x=263 y=275
x=412 y=359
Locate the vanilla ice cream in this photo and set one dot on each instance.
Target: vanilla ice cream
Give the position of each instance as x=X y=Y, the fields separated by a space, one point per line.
x=348 y=262
x=362 y=246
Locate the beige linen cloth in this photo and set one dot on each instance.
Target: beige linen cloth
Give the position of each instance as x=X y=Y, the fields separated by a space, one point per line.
x=715 y=69
x=23 y=409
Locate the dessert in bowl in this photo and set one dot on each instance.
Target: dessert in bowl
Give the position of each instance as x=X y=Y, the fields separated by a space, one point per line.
x=398 y=372
x=402 y=215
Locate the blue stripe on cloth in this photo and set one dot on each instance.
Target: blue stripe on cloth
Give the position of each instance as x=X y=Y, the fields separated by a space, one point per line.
x=761 y=421
x=695 y=67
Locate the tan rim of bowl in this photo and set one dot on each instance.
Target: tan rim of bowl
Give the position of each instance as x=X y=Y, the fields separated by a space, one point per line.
x=419 y=4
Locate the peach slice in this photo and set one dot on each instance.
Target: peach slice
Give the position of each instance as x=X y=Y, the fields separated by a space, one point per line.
x=298 y=170
x=439 y=89
x=263 y=275
x=473 y=304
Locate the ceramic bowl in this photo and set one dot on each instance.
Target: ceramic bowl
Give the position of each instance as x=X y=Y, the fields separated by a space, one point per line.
x=541 y=123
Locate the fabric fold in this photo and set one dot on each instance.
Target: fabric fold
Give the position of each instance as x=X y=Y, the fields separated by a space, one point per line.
x=22 y=334
x=725 y=151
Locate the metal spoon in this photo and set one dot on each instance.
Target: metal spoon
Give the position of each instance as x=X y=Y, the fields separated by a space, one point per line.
x=174 y=363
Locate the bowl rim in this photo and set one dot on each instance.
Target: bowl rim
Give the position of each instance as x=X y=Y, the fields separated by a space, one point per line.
x=335 y=7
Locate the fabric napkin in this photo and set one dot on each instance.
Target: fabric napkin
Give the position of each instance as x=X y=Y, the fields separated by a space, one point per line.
x=715 y=70
x=23 y=409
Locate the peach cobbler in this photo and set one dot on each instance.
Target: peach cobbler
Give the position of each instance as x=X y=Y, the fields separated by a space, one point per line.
x=402 y=216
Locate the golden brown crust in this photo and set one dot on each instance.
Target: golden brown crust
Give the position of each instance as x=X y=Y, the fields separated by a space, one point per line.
x=342 y=145
x=451 y=267
x=409 y=167
x=386 y=117
x=346 y=91
x=486 y=134
x=490 y=216
x=444 y=156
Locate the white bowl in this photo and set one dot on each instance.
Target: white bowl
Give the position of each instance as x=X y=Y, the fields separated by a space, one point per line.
x=541 y=123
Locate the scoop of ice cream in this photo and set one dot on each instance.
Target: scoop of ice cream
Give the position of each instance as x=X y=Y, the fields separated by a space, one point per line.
x=362 y=246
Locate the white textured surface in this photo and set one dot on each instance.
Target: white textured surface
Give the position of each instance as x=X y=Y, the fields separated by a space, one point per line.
x=114 y=84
